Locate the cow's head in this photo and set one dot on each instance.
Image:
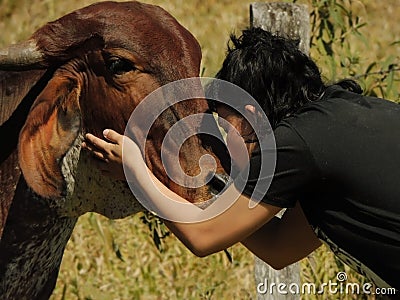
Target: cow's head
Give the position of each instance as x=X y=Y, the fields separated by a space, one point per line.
x=102 y=60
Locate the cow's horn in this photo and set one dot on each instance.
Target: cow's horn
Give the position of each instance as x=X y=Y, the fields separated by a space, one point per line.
x=22 y=56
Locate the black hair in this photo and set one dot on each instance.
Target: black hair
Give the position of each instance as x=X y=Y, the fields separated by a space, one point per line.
x=271 y=68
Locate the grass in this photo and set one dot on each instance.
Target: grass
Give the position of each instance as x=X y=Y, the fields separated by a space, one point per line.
x=108 y=259
x=91 y=269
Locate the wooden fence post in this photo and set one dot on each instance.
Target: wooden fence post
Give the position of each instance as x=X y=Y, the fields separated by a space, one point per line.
x=287 y=19
x=290 y=20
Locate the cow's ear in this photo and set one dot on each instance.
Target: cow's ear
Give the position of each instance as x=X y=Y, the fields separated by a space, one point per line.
x=51 y=130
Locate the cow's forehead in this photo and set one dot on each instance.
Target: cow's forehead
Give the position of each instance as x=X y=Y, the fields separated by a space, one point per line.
x=147 y=30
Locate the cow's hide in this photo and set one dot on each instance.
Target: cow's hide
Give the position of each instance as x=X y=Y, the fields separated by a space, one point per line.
x=81 y=73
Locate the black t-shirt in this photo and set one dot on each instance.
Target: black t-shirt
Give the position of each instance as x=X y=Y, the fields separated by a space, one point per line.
x=340 y=157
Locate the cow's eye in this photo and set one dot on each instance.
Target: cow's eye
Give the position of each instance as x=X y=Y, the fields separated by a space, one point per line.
x=119 y=66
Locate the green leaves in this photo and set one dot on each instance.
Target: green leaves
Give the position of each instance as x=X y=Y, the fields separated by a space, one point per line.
x=336 y=40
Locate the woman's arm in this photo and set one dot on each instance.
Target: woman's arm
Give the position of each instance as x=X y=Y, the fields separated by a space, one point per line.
x=203 y=238
x=282 y=242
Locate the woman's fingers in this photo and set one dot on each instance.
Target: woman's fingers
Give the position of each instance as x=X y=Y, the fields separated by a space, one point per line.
x=105 y=150
x=100 y=155
x=113 y=136
x=95 y=152
x=108 y=153
x=87 y=146
x=97 y=142
x=97 y=147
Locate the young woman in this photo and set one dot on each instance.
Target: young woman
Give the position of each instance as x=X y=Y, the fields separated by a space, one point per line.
x=337 y=166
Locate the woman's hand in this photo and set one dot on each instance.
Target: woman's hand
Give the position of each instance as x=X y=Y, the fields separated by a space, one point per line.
x=109 y=154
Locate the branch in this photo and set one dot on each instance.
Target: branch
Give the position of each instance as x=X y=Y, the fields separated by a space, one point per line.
x=390 y=69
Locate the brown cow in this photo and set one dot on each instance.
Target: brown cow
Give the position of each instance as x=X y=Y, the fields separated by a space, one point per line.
x=86 y=71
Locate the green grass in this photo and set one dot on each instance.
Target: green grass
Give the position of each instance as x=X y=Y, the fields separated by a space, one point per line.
x=117 y=259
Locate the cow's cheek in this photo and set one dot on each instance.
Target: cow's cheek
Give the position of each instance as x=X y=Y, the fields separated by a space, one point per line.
x=133 y=92
x=139 y=86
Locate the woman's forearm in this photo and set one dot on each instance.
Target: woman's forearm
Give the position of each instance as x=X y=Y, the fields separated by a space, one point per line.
x=213 y=234
x=228 y=220
x=157 y=194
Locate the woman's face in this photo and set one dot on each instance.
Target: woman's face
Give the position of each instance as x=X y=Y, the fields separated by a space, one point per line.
x=238 y=131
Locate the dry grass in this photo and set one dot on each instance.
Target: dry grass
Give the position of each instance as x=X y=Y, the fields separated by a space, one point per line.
x=91 y=268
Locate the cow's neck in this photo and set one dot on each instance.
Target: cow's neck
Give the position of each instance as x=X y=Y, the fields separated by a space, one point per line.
x=32 y=246
x=88 y=190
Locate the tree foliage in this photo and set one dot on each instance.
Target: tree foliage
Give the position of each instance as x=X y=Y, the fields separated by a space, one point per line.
x=335 y=30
